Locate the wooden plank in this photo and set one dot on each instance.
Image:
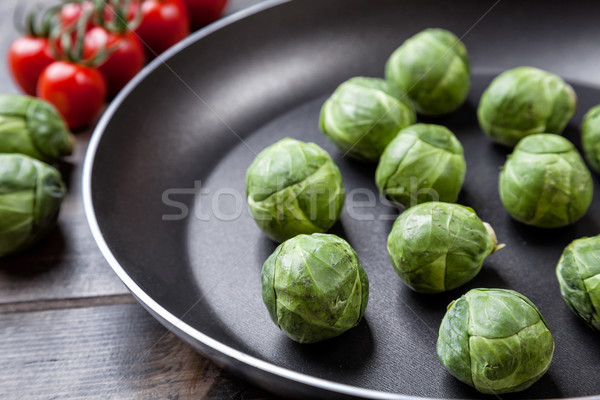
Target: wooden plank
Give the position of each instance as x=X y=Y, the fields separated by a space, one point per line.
x=40 y=305
x=115 y=351
x=237 y=5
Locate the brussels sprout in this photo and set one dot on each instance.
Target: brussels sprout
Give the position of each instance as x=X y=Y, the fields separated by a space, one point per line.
x=433 y=68
x=314 y=287
x=437 y=246
x=33 y=127
x=30 y=196
x=294 y=187
x=363 y=115
x=423 y=163
x=590 y=135
x=523 y=101
x=545 y=182
x=578 y=273
x=495 y=340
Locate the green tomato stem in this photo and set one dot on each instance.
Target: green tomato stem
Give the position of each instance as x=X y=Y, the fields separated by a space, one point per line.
x=31 y=27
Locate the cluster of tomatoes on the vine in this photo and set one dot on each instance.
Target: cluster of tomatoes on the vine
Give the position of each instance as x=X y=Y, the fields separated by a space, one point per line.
x=81 y=52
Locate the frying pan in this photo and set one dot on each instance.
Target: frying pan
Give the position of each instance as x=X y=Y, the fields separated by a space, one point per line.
x=164 y=188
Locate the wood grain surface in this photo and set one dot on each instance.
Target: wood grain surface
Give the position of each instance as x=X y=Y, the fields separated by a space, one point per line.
x=69 y=329
x=113 y=351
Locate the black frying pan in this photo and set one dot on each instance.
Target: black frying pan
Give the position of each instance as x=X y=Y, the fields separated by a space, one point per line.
x=164 y=184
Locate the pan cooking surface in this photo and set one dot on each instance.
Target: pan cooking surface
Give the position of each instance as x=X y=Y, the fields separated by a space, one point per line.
x=393 y=349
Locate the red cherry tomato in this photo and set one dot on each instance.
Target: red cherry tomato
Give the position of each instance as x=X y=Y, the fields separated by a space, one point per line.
x=27 y=58
x=203 y=12
x=75 y=90
x=164 y=23
x=123 y=63
x=71 y=12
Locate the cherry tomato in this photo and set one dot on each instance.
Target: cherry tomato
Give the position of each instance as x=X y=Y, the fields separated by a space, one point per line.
x=123 y=63
x=27 y=58
x=164 y=23
x=203 y=12
x=71 y=12
x=76 y=91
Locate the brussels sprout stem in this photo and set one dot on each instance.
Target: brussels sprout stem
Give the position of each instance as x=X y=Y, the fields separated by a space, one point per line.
x=492 y=233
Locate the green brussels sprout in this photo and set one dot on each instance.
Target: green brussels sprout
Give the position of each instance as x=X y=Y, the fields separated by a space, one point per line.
x=578 y=273
x=437 y=246
x=33 y=127
x=495 y=340
x=422 y=163
x=363 y=115
x=590 y=136
x=433 y=68
x=545 y=182
x=294 y=187
x=523 y=101
x=30 y=196
x=314 y=287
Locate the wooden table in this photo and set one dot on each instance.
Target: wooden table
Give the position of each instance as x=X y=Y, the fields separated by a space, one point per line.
x=70 y=329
